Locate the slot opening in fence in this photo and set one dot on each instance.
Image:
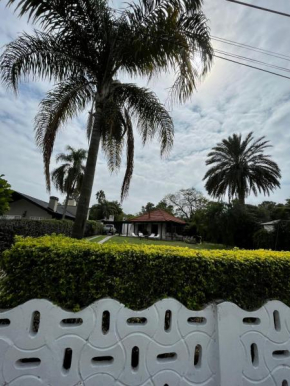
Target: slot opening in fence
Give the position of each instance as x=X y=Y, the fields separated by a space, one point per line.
x=71 y=322
x=196 y=320
x=35 y=323
x=254 y=354
x=30 y=363
x=106 y=322
x=103 y=360
x=4 y=322
x=252 y=320
x=277 y=322
x=285 y=383
x=167 y=320
x=67 y=359
x=197 y=355
x=166 y=357
x=279 y=354
x=136 y=320
x=135 y=357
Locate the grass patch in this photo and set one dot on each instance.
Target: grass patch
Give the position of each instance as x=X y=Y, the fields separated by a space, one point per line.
x=136 y=240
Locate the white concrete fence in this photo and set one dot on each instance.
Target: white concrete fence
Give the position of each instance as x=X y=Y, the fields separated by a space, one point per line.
x=165 y=345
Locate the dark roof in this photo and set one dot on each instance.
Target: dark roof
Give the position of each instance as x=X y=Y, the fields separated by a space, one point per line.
x=43 y=205
x=157 y=215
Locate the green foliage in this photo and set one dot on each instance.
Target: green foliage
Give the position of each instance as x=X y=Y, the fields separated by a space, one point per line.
x=5 y=195
x=93 y=228
x=75 y=273
x=36 y=228
x=240 y=167
x=264 y=239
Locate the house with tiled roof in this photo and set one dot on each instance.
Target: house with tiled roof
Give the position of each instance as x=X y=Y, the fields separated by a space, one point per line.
x=157 y=222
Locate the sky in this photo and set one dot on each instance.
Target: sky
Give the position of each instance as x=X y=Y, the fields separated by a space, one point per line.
x=231 y=99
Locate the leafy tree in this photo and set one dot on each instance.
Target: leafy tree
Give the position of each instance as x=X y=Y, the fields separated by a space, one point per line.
x=100 y=196
x=147 y=208
x=5 y=195
x=165 y=206
x=104 y=208
x=83 y=46
x=241 y=167
x=186 y=202
x=68 y=177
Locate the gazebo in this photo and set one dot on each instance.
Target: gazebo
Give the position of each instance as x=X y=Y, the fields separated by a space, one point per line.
x=157 y=221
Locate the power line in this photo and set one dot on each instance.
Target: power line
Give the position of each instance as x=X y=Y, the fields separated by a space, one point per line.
x=260 y=8
x=252 y=60
x=251 y=48
x=248 y=65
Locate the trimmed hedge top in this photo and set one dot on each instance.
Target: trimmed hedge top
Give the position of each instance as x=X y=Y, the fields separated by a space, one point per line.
x=73 y=274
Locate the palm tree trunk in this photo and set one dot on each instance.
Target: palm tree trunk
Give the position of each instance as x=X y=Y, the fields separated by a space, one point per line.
x=242 y=198
x=87 y=185
x=65 y=206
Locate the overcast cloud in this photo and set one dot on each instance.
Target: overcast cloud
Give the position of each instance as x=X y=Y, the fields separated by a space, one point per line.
x=232 y=99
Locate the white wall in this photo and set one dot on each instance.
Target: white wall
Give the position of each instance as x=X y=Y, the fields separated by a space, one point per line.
x=218 y=346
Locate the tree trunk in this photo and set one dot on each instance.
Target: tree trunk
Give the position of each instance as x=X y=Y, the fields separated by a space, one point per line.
x=65 y=206
x=242 y=198
x=87 y=185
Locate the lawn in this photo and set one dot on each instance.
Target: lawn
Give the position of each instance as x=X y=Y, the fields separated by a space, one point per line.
x=133 y=240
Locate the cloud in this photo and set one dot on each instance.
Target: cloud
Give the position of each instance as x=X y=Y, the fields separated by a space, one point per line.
x=231 y=99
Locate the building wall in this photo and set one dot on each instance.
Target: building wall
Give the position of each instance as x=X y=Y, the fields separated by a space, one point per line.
x=18 y=208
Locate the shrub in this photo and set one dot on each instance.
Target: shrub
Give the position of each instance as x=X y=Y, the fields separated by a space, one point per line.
x=93 y=228
x=37 y=228
x=264 y=239
x=74 y=273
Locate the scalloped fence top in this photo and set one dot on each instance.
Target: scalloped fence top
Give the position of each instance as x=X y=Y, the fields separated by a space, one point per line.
x=108 y=344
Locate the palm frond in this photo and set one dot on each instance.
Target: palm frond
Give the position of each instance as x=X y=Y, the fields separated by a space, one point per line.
x=36 y=56
x=130 y=156
x=64 y=102
x=152 y=117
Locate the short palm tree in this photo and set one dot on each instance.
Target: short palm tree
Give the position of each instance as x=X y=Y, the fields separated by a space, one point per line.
x=68 y=177
x=241 y=167
x=85 y=46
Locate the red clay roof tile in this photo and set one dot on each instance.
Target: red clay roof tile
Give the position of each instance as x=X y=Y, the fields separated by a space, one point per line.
x=157 y=215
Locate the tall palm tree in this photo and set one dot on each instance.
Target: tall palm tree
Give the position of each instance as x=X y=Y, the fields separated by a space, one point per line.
x=68 y=177
x=85 y=46
x=241 y=167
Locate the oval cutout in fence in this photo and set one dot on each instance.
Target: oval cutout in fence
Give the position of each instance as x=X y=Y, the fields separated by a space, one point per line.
x=28 y=362
x=167 y=320
x=135 y=357
x=103 y=360
x=106 y=322
x=71 y=322
x=197 y=355
x=35 y=323
x=136 y=320
x=252 y=320
x=196 y=320
x=254 y=354
x=4 y=322
x=277 y=323
x=170 y=356
x=67 y=358
x=279 y=354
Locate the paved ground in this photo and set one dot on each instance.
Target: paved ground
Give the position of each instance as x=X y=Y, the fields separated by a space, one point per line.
x=105 y=239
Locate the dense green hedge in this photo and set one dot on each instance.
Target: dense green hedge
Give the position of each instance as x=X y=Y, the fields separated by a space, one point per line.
x=36 y=228
x=75 y=273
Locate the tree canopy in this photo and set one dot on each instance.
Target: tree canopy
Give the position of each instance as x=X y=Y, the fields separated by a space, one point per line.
x=240 y=167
